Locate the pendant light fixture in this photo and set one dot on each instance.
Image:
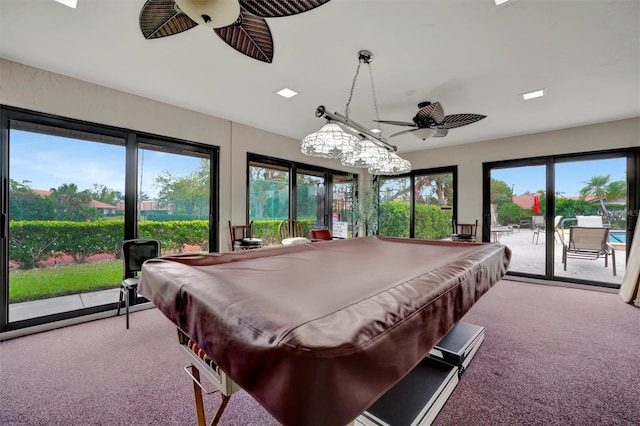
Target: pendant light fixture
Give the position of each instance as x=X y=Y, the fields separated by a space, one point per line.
x=352 y=143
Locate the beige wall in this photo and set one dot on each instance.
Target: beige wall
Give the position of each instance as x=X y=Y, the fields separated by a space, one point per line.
x=469 y=158
x=37 y=90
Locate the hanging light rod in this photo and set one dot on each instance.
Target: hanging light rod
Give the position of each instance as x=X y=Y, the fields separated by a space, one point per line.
x=361 y=130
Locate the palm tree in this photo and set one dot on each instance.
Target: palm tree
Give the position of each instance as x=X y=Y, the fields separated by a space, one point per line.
x=599 y=186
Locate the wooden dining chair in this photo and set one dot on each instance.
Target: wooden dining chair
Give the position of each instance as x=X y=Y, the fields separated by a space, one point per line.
x=464 y=231
x=290 y=228
x=242 y=237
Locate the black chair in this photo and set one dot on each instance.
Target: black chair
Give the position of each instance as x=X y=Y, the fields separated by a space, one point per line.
x=464 y=231
x=134 y=253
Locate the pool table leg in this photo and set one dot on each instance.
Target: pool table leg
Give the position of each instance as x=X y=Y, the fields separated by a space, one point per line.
x=197 y=392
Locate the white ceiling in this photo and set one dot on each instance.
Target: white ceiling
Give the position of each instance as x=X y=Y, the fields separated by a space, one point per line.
x=471 y=56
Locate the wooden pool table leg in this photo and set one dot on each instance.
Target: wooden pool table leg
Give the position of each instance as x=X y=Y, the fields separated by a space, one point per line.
x=223 y=404
x=197 y=393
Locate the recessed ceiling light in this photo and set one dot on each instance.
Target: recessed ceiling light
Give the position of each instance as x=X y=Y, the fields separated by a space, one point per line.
x=499 y=2
x=71 y=3
x=287 y=93
x=376 y=130
x=533 y=95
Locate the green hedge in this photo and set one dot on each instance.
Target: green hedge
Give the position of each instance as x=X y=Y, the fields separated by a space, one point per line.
x=33 y=242
x=431 y=222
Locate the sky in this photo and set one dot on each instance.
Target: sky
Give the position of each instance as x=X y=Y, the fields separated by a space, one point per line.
x=50 y=161
x=570 y=177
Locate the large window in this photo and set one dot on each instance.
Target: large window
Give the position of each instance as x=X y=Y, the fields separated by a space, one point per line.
x=174 y=186
x=418 y=205
x=74 y=192
x=66 y=190
x=280 y=189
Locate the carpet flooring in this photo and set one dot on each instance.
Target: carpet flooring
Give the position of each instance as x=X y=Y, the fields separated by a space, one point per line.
x=551 y=356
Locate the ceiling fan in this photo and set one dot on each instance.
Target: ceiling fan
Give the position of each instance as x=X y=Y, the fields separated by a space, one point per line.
x=430 y=121
x=240 y=23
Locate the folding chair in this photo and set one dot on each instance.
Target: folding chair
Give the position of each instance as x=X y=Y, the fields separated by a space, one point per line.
x=134 y=253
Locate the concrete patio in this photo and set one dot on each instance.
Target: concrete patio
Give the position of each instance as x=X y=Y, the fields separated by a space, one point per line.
x=529 y=257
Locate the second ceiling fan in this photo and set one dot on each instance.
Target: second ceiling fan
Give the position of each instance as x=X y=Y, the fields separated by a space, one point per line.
x=430 y=121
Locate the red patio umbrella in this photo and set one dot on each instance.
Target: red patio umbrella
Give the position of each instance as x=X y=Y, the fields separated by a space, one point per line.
x=536 y=204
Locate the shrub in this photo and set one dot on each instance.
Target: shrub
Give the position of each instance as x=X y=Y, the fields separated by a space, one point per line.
x=33 y=242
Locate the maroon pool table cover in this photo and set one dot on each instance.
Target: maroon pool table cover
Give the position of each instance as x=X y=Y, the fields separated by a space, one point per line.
x=317 y=332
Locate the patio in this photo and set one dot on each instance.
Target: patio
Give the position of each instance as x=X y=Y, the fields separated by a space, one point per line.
x=529 y=257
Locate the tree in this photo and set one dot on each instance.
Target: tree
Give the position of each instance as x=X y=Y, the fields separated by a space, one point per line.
x=106 y=195
x=186 y=192
x=24 y=204
x=501 y=192
x=434 y=189
x=71 y=204
x=600 y=187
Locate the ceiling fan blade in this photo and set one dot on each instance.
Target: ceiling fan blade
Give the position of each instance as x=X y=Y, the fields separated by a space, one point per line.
x=251 y=36
x=441 y=133
x=396 y=123
x=458 y=120
x=402 y=132
x=160 y=18
x=432 y=111
x=274 y=9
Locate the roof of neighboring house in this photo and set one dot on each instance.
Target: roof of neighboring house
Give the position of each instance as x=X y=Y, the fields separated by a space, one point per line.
x=41 y=192
x=525 y=201
x=100 y=205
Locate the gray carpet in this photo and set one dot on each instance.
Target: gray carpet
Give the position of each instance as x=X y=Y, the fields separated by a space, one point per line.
x=551 y=356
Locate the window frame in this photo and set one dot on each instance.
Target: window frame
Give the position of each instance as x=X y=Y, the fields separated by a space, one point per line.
x=131 y=138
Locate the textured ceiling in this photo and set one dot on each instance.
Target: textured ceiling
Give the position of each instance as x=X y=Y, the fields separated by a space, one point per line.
x=471 y=56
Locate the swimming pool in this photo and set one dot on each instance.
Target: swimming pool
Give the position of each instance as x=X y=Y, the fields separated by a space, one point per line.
x=619 y=237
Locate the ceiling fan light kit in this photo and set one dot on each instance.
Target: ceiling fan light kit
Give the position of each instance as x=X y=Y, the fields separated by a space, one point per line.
x=211 y=13
x=352 y=143
x=424 y=133
x=239 y=23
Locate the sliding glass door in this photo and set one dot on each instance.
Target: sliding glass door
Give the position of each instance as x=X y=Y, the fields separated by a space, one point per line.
x=535 y=207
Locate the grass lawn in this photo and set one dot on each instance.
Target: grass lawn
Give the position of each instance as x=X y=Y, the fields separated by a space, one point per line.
x=62 y=280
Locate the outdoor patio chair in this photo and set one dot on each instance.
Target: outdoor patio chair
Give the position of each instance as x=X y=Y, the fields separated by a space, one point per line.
x=134 y=253
x=589 y=243
x=591 y=221
x=557 y=233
